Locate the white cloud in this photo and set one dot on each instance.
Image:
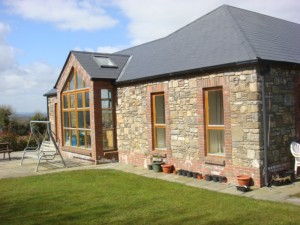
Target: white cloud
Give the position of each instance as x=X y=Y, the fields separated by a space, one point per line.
x=22 y=87
x=65 y=14
x=152 y=19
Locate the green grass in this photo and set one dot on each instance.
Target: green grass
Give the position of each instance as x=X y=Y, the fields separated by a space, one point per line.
x=113 y=197
x=296 y=195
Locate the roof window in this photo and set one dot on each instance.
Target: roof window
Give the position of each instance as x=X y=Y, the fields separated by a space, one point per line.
x=105 y=62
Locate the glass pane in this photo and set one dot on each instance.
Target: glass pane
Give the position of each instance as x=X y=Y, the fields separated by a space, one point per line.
x=87 y=99
x=160 y=109
x=66 y=119
x=79 y=81
x=67 y=138
x=81 y=119
x=79 y=100
x=160 y=138
x=81 y=138
x=72 y=83
x=105 y=104
x=74 y=138
x=73 y=119
x=65 y=101
x=107 y=119
x=216 y=141
x=215 y=104
x=88 y=139
x=104 y=93
x=87 y=120
x=72 y=101
x=108 y=139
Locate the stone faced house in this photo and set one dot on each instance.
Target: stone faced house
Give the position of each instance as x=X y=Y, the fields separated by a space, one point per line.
x=220 y=95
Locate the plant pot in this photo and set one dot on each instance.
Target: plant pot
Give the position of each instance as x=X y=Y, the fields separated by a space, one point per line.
x=222 y=179
x=166 y=168
x=180 y=172
x=149 y=167
x=199 y=176
x=195 y=174
x=208 y=177
x=184 y=173
x=157 y=166
x=189 y=173
x=215 y=178
x=243 y=180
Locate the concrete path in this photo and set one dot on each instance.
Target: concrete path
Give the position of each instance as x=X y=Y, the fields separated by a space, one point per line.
x=12 y=168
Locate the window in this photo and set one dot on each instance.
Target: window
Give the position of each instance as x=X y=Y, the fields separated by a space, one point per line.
x=159 y=121
x=214 y=112
x=104 y=62
x=108 y=130
x=76 y=113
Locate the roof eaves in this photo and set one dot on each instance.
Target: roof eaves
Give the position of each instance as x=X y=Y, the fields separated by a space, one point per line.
x=191 y=71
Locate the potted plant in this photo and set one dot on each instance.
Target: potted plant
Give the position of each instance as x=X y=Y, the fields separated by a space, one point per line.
x=157 y=161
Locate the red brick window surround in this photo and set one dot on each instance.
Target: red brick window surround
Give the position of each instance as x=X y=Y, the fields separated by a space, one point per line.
x=214 y=121
x=159 y=121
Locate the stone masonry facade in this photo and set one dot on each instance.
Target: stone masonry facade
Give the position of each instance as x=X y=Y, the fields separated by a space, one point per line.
x=185 y=122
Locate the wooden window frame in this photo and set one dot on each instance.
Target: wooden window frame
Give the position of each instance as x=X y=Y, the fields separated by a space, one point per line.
x=67 y=92
x=155 y=125
x=113 y=128
x=209 y=127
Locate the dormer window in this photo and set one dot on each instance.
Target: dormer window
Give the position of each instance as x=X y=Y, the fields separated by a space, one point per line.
x=104 y=62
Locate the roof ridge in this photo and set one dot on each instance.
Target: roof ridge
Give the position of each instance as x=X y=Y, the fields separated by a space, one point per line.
x=98 y=53
x=237 y=28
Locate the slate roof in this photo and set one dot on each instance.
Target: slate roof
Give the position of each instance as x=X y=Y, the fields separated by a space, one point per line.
x=225 y=36
x=94 y=70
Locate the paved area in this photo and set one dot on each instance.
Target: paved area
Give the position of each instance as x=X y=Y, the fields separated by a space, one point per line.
x=12 y=168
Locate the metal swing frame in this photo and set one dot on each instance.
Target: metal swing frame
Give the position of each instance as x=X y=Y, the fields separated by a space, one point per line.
x=45 y=145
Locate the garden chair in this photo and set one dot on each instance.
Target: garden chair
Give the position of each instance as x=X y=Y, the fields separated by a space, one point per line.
x=295 y=150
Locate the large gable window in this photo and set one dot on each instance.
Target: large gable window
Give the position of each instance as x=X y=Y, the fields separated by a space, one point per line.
x=214 y=113
x=76 y=112
x=159 y=121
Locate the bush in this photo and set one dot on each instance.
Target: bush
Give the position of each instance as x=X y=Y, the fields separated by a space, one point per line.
x=17 y=143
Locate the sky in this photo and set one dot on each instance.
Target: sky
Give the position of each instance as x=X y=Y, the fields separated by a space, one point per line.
x=36 y=36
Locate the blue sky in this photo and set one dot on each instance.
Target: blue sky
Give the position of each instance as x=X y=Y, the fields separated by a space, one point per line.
x=37 y=35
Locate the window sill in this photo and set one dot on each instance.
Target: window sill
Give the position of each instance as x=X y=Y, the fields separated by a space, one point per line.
x=77 y=150
x=218 y=160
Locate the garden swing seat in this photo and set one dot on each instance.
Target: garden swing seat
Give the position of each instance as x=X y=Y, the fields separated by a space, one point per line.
x=44 y=146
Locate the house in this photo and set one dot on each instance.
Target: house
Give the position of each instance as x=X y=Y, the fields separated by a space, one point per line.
x=220 y=95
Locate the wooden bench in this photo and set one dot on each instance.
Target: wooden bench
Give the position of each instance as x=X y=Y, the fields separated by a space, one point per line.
x=5 y=148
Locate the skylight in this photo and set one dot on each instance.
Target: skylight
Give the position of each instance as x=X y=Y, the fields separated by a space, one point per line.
x=104 y=62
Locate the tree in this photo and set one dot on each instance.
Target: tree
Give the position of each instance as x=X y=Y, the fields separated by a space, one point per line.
x=38 y=116
x=5 y=114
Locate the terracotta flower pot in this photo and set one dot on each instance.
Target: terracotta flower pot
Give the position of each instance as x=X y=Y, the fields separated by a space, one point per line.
x=167 y=168
x=243 y=180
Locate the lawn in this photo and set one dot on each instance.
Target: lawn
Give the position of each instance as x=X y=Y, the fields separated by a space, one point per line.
x=114 y=197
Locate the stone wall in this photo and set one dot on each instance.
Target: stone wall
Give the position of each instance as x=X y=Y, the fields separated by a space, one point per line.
x=185 y=123
x=280 y=91
x=52 y=100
